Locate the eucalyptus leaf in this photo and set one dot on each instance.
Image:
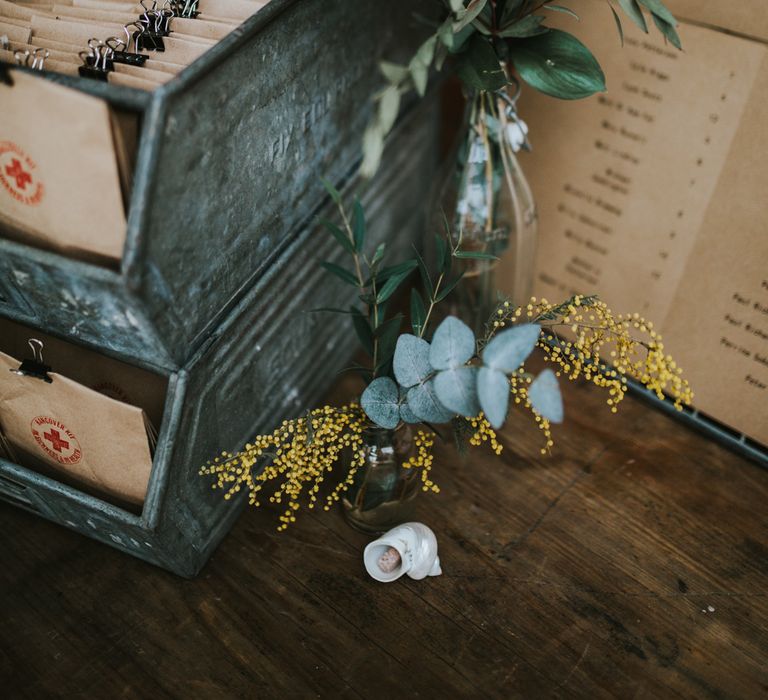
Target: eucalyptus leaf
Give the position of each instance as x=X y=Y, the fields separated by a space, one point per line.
x=387 y=272
x=406 y=414
x=493 y=395
x=424 y=271
x=512 y=10
x=340 y=272
x=335 y=194
x=418 y=311
x=393 y=72
x=508 y=349
x=632 y=10
x=668 y=30
x=559 y=65
x=373 y=148
x=380 y=402
x=456 y=5
x=411 y=361
x=619 y=28
x=443 y=255
x=386 y=335
x=460 y=39
x=530 y=25
x=419 y=65
x=341 y=238
x=658 y=9
x=453 y=344
x=466 y=16
x=420 y=75
x=391 y=285
x=456 y=389
x=544 y=395
x=363 y=330
x=378 y=254
x=389 y=106
x=445 y=291
x=561 y=8
x=479 y=66
x=424 y=404
x=481 y=27
x=445 y=32
x=441 y=53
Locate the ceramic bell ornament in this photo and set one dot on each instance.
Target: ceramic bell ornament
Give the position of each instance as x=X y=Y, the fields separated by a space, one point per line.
x=410 y=548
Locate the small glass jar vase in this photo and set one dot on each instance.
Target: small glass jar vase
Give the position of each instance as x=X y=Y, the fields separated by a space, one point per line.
x=488 y=205
x=382 y=492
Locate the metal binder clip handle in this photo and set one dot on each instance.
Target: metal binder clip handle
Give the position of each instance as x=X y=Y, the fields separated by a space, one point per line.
x=121 y=53
x=34 y=367
x=97 y=61
x=88 y=70
x=125 y=54
x=149 y=39
x=189 y=9
x=22 y=57
x=38 y=58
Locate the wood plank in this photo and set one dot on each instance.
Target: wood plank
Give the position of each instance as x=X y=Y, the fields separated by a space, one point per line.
x=632 y=562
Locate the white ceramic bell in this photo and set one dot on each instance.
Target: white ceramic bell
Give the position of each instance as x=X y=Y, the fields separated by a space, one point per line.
x=410 y=548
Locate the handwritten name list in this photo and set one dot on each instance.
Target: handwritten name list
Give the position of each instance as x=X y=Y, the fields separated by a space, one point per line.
x=650 y=195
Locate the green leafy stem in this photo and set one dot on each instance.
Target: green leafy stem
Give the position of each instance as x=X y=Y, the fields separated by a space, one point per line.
x=485 y=39
x=375 y=284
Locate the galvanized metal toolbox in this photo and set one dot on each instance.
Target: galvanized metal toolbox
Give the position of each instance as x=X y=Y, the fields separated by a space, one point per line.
x=269 y=358
x=226 y=175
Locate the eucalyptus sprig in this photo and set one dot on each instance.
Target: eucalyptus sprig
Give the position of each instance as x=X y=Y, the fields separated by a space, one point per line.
x=486 y=39
x=375 y=283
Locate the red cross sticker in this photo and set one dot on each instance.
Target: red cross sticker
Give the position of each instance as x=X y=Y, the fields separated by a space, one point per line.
x=16 y=171
x=54 y=437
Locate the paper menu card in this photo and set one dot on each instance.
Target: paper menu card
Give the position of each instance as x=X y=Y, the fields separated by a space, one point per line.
x=651 y=194
x=59 y=181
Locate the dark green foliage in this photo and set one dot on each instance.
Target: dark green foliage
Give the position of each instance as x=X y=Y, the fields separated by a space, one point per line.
x=559 y=65
x=480 y=36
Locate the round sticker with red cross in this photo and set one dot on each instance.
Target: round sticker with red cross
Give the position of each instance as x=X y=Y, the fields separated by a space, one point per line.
x=19 y=176
x=56 y=440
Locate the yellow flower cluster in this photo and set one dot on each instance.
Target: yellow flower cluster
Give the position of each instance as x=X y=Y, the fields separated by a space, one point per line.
x=423 y=459
x=484 y=433
x=604 y=348
x=518 y=385
x=298 y=455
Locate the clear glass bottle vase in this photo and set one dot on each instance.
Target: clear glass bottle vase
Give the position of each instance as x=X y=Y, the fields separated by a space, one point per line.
x=488 y=205
x=382 y=492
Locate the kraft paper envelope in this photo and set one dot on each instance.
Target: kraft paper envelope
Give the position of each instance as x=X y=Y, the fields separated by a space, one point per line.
x=83 y=436
x=108 y=376
x=59 y=181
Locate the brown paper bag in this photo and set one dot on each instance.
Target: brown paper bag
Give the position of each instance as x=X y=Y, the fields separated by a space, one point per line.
x=59 y=183
x=85 y=437
x=118 y=380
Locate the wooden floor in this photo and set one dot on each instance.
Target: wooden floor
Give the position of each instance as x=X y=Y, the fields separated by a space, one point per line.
x=633 y=563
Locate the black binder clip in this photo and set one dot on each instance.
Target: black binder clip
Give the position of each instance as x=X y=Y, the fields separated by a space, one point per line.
x=97 y=61
x=186 y=8
x=124 y=54
x=154 y=23
x=34 y=367
x=5 y=73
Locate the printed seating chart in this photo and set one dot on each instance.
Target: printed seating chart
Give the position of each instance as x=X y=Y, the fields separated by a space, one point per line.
x=652 y=195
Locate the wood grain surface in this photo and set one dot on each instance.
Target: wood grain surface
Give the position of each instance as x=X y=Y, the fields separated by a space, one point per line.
x=632 y=563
